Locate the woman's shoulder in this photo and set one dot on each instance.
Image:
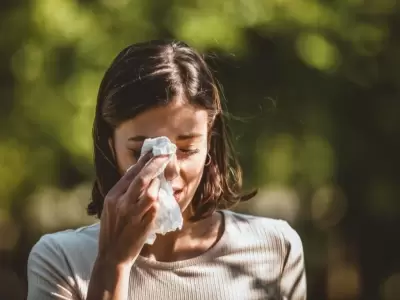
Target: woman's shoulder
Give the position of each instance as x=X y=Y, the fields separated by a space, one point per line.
x=69 y=238
x=270 y=230
x=275 y=242
x=74 y=248
x=61 y=262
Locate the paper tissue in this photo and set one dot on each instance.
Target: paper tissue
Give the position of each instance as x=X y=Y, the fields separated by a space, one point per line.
x=169 y=216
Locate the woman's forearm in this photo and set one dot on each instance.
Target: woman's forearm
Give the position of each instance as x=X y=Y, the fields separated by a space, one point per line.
x=108 y=281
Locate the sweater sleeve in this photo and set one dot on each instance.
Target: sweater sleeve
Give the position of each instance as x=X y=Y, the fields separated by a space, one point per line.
x=48 y=272
x=293 y=284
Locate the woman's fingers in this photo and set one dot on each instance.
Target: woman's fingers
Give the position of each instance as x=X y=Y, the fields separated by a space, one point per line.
x=130 y=209
x=145 y=176
x=149 y=198
x=141 y=214
x=135 y=211
x=123 y=184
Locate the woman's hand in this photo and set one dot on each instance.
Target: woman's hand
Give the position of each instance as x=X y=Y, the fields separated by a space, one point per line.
x=128 y=213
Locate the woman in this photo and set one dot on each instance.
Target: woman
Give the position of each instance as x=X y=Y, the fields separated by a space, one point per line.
x=163 y=88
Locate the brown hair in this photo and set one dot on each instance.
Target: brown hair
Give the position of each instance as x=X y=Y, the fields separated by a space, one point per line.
x=149 y=74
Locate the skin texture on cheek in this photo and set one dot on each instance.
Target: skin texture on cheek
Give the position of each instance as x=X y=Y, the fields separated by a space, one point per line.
x=192 y=183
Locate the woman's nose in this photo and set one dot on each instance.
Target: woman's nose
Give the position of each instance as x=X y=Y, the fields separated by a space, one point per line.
x=172 y=169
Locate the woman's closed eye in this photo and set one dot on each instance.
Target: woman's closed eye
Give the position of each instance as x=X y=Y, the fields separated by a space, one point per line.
x=187 y=152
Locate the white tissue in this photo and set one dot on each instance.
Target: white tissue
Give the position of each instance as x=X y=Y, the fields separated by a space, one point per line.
x=169 y=216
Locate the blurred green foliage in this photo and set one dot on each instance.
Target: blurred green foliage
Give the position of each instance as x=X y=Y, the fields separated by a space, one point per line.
x=316 y=84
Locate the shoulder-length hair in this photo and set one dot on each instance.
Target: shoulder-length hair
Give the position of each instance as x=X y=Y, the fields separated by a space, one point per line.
x=150 y=74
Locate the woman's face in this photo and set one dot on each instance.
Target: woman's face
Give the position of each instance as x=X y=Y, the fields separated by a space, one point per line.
x=186 y=126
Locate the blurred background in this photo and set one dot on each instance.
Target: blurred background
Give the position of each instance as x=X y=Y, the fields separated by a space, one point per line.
x=316 y=89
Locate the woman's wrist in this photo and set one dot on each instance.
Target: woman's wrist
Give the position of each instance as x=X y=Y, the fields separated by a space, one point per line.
x=109 y=280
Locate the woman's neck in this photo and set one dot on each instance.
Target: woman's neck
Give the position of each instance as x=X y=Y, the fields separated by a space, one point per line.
x=192 y=240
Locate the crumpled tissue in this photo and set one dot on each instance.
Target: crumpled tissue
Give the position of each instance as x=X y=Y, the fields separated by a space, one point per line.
x=169 y=216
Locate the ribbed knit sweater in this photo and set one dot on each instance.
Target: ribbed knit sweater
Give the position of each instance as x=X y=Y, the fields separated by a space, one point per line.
x=255 y=258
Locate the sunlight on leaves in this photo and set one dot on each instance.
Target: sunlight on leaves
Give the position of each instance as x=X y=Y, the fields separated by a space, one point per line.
x=316 y=51
x=27 y=62
x=62 y=20
x=368 y=40
x=317 y=160
x=13 y=162
x=81 y=92
x=277 y=158
x=328 y=206
x=9 y=231
x=277 y=201
x=196 y=28
x=51 y=208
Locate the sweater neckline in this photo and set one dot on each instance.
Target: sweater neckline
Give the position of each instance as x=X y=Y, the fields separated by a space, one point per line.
x=211 y=253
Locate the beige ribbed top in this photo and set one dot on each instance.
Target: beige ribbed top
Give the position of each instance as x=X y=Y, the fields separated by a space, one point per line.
x=256 y=258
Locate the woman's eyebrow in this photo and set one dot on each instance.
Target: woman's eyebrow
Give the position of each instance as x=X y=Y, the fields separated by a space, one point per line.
x=189 y=136
x=137 y=138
